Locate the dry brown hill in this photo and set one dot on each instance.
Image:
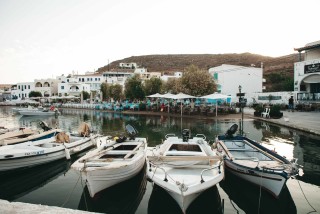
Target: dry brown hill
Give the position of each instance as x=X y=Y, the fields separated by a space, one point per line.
x=170 y=63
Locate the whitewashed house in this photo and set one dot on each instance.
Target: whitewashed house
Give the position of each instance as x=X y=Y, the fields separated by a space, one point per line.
x=230 y=77
x=21 y=90
x=47 y=87
x=177 y=74
x=307 y=74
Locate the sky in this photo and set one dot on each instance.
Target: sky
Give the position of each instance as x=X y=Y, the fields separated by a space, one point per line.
x=46 y=38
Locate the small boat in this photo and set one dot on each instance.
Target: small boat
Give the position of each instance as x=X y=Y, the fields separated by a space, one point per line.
x=253 y=162
x=113 y=200
x=40 y=112
x=185 y=167
x=33 y=153
x=25 y=134
x=114 y=161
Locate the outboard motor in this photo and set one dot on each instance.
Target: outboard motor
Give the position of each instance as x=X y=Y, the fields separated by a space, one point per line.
x=186 y=134
x=44 y=126
x=132 y=132
x=233 y=129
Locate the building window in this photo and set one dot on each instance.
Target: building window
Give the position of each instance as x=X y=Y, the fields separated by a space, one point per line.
x=28 y=86
x=62 y=87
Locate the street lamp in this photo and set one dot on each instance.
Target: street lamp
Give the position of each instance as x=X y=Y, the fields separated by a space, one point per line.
x=241 y=108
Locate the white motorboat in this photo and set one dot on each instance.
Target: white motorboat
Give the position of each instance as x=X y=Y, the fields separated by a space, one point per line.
x=40 y=112
x=185 y=167
x=38 y=152
x=253 y=162
x=112 y=162
x=26 y=134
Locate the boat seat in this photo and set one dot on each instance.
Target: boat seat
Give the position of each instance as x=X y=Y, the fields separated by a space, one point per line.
x=183 y=153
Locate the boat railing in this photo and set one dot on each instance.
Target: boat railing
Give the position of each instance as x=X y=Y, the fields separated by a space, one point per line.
x=157 y=167
x=169 y=135
x=201 y=135
x=211 y=168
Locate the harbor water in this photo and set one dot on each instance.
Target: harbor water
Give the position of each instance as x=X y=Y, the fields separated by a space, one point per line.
x=57 y=185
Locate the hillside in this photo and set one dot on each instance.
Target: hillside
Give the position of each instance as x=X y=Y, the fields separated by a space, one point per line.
x=169 y=63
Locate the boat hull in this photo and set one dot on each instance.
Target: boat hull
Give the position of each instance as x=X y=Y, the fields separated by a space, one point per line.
x=24 y=158
x=99 y=180
x=192 y=179
x=111 y=163
x=270 y=182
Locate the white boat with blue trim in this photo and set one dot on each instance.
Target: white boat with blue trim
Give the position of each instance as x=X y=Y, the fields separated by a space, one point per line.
x=253 y=162
x=33 y=153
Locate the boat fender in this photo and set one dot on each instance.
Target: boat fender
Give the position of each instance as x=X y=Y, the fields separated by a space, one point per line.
x=67 y=152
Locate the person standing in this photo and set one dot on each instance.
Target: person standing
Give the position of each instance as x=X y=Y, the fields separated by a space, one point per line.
x=291 y=103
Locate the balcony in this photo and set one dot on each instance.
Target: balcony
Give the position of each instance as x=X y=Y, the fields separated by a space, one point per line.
x=308 y=97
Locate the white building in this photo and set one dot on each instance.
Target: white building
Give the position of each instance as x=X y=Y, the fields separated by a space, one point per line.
x=307 y=73
x=21 y=90
x=176 y=74
x=47 y=87
x=93 y=79
x=229 y=77
x=131 y=65
x=117 y=77
x=72 y=86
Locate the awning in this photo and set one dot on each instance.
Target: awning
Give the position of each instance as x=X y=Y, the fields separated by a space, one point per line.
x=314 y=78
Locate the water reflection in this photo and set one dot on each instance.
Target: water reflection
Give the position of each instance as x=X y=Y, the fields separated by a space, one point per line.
x=161 y=202
x=119 y=199
x=20 y=183
x=287 y=142
x=248 y=197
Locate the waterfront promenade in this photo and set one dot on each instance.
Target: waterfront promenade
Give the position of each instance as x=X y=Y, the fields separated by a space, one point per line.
x=304 y=121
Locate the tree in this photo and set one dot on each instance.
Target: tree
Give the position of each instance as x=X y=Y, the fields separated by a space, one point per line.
x=115 y=91
x=35 y=94
x=133 y=88
x=172 y=86
x=104 y=89
x=197 y=82
x=152 y=86
x=86 y=95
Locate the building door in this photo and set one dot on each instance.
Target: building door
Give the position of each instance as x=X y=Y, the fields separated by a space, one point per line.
x=315 y=87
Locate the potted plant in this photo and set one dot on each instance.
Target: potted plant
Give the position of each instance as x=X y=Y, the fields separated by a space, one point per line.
x=275 y=112
x=258 y=109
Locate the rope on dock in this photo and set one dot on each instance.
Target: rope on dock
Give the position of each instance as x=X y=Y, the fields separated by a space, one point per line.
x=67 y=199
x=314 y=210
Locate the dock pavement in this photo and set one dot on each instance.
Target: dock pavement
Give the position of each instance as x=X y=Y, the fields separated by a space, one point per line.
x=304 y=121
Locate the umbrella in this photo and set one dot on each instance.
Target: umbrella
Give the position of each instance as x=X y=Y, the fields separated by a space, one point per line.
x=157 y=95
x=181 y=96
x=216 y=96
x=168 y=95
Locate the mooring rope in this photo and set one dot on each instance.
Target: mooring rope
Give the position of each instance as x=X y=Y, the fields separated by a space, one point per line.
x=233 y=205
x=84 y=193
x=260 y=192
x=67 y=199
x=314 y=210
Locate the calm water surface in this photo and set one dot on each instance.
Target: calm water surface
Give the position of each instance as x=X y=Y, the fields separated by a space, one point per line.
x=57 y=185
